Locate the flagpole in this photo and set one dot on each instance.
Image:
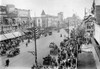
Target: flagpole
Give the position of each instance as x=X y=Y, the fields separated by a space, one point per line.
x=93 y=7
x=68 y=28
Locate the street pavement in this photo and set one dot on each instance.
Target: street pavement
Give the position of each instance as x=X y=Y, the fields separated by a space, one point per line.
x=88 y=59
x=25 y=60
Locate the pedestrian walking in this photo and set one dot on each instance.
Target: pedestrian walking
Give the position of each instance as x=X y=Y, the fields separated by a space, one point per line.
x=7 y=62
x=28 y=40
x=26 y=44
x=60 y=35
x=33 y=67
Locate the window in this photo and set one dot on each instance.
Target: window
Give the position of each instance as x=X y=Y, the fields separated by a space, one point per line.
x=38 y=20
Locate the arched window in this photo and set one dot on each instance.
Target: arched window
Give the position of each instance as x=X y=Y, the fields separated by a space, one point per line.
x=14 y=21
x=6 y=21
x=38 y=20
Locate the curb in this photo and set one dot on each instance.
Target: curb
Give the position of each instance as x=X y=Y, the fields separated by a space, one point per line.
x=96 y=47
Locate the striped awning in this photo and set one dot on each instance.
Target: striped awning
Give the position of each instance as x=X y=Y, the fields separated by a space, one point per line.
x=2 y=37
x=9 y=35
x=17 y=34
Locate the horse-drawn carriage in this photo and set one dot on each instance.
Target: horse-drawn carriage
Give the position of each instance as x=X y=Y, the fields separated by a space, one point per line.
x=3 y=52
x=50 y=33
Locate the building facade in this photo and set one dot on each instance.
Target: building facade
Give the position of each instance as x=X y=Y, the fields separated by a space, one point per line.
x=47 y=20
x=89 y=26
x=97 y=14
x=3 y=13
x=73 y=21
x=12 y=17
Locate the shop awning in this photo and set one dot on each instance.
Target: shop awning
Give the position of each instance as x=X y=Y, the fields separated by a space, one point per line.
x=9 y=35
x=2 y=37
x=16 y=34
x=22 y=33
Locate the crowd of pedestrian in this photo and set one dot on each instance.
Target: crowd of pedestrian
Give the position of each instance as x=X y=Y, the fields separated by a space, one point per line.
x=9 y=44
x=68 y=53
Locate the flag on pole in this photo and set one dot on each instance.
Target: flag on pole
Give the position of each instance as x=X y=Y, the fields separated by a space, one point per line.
x=85 y=13
x=93 y=7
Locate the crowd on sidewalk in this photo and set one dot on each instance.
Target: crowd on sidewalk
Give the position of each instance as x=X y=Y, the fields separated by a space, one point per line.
x=67 y=53
x=7 y=45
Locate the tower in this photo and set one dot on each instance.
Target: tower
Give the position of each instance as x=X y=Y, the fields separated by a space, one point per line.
x=43 y=13
x=60 y=17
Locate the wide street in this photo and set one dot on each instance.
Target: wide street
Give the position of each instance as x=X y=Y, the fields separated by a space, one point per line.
x=26 y=59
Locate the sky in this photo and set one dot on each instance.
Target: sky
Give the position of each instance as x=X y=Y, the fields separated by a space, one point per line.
x=52 y=7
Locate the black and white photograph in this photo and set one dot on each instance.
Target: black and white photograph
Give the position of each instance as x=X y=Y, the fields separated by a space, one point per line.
x=49 y=34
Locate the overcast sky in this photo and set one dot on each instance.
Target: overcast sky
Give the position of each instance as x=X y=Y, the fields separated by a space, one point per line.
x=68 y=7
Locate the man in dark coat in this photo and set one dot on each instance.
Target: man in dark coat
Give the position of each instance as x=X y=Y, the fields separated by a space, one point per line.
x=7 y=62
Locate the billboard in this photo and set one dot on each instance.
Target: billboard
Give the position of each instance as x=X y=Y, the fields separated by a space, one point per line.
x=3 y=10
x=23 y=13
x=10 y=8
x=11 y=11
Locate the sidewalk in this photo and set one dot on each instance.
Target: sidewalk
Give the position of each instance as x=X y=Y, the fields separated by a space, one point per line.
x=96 y=56
x=92 y=48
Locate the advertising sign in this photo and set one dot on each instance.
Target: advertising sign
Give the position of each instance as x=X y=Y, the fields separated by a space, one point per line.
x=10 y=8
x=2 y=10
x=23 y=13
x=11 y=11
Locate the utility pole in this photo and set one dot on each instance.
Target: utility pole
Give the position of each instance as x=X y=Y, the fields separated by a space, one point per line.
x=35 y=33
x=35 y=45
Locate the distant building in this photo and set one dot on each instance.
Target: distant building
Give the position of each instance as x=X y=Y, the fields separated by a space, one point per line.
x=47 y=20
x=11 y=17
x=3 y=13
x=73 y=21
x=60 y=17
x=23 y=16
